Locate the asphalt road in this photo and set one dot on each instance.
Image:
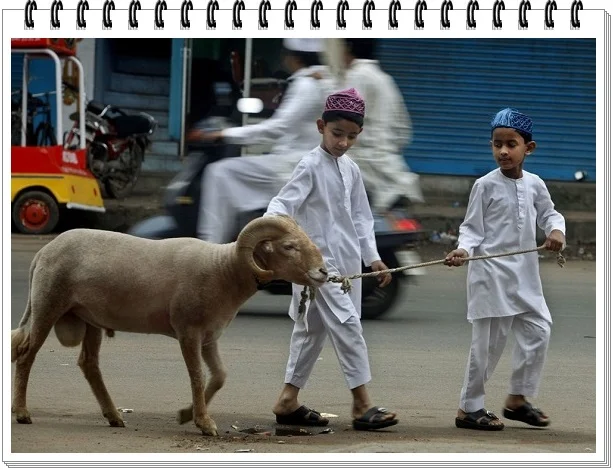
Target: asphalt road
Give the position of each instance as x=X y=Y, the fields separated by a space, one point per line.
x=418 y=354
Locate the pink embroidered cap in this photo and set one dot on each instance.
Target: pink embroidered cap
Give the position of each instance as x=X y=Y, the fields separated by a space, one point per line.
x=346 y=100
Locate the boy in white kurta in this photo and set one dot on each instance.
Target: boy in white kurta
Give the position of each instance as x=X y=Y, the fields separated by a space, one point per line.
x=505 y=294
x=326 y=196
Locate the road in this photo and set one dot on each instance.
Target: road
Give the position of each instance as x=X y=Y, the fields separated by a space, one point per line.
x=418 y=355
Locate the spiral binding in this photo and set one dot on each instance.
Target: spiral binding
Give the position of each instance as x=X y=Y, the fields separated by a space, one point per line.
x=211 y=8
x=56 y=6
x=290 y=7
x=186 y=7
x=81 y=7
x=290 y=18
x=107 y=22
x=239 y=6
x=470 y=14
x=265 y=6
x=132 y=20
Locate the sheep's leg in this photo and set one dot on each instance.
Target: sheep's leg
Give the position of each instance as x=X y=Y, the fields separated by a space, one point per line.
x=36 y=336
x=210 y=354
x=190 y=347
x=88 y=362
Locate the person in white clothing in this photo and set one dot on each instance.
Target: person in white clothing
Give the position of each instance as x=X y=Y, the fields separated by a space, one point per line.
x=241 y=184
x=505 y=294
x=326 y=196
x=388 y=129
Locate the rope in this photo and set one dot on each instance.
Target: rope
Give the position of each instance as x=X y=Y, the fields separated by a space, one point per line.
x=308 y=293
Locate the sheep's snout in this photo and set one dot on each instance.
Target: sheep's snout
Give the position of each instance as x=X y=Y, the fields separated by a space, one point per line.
x=318 y=276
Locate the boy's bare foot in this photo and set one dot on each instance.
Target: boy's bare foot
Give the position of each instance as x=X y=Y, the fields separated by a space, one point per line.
x=285 y=406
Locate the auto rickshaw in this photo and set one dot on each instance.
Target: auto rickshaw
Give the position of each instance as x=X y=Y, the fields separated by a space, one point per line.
x=48 y=180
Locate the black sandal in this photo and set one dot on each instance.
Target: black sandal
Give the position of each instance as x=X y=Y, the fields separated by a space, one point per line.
x=374 y=418
x=480 y=419
x=303 y=416
x=527 y=414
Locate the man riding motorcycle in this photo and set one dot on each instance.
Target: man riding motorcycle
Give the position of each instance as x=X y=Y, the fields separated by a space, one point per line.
x=235 y=185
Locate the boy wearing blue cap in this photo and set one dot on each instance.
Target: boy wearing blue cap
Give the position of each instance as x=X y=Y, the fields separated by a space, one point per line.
x=505 y=294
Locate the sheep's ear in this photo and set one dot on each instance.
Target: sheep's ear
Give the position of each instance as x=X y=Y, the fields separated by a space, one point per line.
x=268 y=247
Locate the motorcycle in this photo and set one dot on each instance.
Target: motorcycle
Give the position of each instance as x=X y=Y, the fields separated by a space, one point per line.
x=116 y=144
x=395 y=232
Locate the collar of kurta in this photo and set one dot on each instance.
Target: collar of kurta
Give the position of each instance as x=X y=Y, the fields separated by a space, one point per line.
x=337 y=160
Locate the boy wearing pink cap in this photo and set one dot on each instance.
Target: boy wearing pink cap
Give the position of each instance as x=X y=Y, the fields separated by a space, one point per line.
x=326 y=196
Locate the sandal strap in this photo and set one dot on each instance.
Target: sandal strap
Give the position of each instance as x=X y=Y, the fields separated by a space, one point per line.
x=482 y=416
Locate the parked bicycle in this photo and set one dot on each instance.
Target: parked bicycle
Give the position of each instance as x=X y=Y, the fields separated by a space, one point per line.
x=39 y=104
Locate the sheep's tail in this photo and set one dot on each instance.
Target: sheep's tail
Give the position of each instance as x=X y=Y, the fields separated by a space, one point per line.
x=26 y=315
x=20 y=337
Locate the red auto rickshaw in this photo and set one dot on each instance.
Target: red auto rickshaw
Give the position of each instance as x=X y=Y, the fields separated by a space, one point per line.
x=47 y=180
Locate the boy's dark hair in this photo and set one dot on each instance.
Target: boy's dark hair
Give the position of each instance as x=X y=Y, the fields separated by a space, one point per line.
x=308 y=59
x=334 y=116
x=362 y=48
x=525 y=135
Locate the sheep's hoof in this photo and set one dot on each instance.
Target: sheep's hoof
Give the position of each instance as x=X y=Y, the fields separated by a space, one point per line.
x=114 y=420
x=207 y=426
x=210 y=432
x=23 y=417
x=185 y=415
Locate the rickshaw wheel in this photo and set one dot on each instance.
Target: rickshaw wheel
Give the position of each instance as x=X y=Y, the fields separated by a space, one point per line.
x=35 y=212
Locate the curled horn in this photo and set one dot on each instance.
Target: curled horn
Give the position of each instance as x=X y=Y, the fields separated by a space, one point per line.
x=257 y=231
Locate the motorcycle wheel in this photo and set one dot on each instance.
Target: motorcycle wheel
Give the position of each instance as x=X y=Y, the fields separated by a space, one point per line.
x=119 y=187
x=378 y=301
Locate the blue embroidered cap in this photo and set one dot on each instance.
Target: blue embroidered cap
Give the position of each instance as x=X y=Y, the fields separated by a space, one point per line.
x=512 y=118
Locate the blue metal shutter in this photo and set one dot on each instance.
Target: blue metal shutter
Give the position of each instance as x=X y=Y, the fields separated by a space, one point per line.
x=452 y=89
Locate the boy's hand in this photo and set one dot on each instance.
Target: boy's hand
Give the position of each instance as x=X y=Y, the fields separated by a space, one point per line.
x=555 y=241
x=454 y=258
x=383 y=278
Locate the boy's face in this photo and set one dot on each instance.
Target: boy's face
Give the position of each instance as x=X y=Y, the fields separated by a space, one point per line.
x=509 y=149
x=338 y=136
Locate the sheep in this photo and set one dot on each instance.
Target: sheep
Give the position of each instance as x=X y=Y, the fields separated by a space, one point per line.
x=85 y=281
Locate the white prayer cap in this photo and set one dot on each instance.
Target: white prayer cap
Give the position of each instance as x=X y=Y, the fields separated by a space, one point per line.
x=303 y=45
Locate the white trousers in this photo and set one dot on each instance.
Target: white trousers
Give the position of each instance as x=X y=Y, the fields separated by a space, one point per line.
x=347 y=340
x=232 y=186
x=489 y=338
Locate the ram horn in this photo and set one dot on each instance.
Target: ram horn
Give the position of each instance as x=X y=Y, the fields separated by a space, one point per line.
x=257 y=231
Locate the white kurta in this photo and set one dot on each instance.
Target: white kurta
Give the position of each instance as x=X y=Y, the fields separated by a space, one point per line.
x=326 y=196
x=248 y=183
x=502 y=215
x=387 y=131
